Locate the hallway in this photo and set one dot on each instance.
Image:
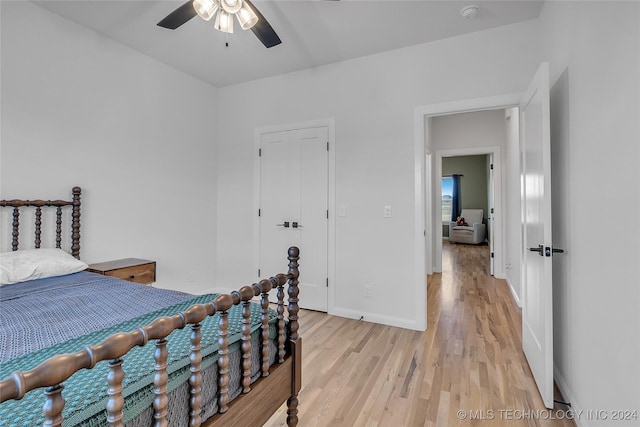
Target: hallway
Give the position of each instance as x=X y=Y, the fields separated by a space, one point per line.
x=479 y=335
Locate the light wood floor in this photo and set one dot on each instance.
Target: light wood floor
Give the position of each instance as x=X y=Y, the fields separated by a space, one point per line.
x=468 y=364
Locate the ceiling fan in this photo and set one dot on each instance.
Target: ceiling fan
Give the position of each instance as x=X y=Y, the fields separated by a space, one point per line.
x=224 y=10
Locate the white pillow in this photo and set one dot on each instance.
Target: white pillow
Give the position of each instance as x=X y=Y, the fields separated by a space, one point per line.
x=29 y=264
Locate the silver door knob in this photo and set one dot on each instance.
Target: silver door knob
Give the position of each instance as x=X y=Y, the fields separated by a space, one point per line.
x=546 y=250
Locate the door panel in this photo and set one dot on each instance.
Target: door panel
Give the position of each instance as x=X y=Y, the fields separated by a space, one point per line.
x=313 y=214
x=537 y=314
x=294 y=189
x=279 y=162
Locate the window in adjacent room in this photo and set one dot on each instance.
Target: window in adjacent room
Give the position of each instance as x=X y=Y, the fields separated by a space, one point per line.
x=447 y=198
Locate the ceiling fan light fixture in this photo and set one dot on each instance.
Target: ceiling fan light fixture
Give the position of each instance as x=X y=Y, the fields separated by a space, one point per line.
x=246 y=16
x=224 y=21
x=205 y=8
x=231 y=6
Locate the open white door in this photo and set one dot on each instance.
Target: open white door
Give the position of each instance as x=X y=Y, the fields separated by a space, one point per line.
x=535 y=169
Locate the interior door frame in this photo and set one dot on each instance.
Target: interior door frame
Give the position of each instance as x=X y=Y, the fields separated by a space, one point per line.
x=329 y=123
x=491 y=216
x=424 y=189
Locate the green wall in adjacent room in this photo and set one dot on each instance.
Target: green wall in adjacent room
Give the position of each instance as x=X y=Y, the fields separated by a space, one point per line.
x=473 y=183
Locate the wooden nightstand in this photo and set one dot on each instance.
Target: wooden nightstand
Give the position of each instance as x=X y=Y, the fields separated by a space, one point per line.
x=131 y=269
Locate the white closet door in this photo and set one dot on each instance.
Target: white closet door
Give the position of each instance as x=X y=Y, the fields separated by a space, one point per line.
x=293 y=208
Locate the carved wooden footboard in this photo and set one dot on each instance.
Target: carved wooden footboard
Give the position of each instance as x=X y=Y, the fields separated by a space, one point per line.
x=280 y=382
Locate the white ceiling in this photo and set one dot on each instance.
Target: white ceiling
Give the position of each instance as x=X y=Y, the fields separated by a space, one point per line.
x=313 y=32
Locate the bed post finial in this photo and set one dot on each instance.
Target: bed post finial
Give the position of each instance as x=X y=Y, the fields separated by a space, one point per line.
x=75 y=223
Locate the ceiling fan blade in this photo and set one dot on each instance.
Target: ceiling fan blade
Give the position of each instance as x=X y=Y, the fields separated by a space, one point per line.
x=178 y=16
x=263 y=29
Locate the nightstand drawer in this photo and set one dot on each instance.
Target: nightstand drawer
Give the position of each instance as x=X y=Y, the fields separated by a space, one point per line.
x=130 y=269
x=145 y=273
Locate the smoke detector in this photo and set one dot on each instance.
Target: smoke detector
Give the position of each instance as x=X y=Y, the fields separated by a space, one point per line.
x=470 y=12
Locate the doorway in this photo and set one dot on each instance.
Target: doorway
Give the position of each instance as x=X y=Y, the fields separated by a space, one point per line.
x=428 y=226
x=467 y=183
x=453 y=137
x=534 y=188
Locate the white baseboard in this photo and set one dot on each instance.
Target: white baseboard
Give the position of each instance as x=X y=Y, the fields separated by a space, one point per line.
x=579 y=415
x=513 y=292
x=376 y=318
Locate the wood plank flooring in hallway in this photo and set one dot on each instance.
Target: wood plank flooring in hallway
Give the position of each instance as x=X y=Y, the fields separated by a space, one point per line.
x=467 y=369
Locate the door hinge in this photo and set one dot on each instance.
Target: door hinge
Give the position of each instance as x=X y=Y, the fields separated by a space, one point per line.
x=258 y=272
x=327 y=213
x=259 y=152
x=491 y=254
x=491 y=166
x=327 y=145
x=259 y=212
x=491 y=210
x=327 y=282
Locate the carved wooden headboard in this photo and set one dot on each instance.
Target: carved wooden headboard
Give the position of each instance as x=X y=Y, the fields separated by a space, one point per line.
x=17 y=204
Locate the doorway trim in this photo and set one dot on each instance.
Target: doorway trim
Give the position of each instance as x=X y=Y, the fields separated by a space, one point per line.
x=330 y=124
x=424 y=193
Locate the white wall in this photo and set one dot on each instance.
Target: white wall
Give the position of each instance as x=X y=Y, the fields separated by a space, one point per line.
x=136 y=135
x=372 y=100
x=594 y=54
x=469 y=130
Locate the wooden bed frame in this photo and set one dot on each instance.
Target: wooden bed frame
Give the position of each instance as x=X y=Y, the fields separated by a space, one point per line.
x=253 y=407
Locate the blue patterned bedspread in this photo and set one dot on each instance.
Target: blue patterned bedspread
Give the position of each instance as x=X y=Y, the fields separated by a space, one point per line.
x=85 y=391
x=43 y=312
